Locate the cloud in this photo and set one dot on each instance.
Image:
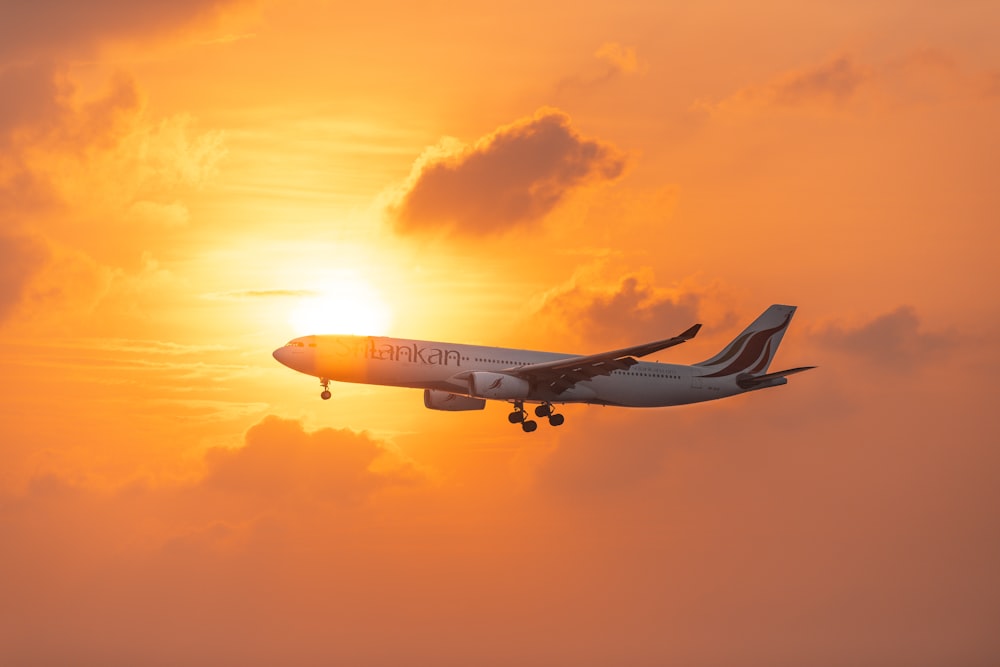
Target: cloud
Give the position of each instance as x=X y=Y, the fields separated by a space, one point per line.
x=280 y=460
x=34 y=97
x=95 y=181
x=242 y=295
x=610 y=63
x=279 y=465
x=918 y=77
x=171 y=154
x=928 y=76
x=893 y=340
x=827 y=84
x=62 y=158
x=511 y=178
x=71 y=282
x=67 y=28
x=616 y=455
x=634 y=309
x=227 y=38
x=45 y=123
x=832 y=81
x=44 y=108
x=125 y=345
x=283 y=513
x=59 y=144
x=620 y=59
x=21 y=259
x=174 y=214
x=639 y=513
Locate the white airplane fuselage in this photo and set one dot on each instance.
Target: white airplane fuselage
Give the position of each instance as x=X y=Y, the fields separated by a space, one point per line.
x=457 y=377
x=419 y=364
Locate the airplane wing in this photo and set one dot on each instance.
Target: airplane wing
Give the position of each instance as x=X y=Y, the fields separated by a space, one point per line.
x=561 y=374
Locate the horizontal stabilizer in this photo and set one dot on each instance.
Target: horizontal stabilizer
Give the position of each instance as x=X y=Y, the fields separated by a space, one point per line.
x=760 y=381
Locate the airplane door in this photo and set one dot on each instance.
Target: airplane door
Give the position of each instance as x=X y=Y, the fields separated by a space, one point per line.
x=697 y=382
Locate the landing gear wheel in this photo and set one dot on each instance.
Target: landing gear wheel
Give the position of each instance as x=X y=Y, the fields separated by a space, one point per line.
x=556 y=420
x=543 y=410
x=326 y=395
x=518 y=415
x=529 y=425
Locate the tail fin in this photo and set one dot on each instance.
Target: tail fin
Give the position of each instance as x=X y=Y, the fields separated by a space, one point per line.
x=752 y=351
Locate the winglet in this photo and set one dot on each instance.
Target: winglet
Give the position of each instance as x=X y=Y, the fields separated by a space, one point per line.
x=691 y=333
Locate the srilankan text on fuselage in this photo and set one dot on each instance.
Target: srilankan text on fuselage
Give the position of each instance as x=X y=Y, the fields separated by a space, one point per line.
x=389 y=349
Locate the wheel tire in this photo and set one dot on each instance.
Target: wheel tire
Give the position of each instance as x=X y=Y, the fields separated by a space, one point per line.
x=326 y=395
x=529 y=426
x=556 y=420
x=516 y=417
x=543 y=411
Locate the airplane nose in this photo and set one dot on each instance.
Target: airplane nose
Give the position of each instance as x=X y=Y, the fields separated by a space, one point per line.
x=287 y=356
x=297 y=357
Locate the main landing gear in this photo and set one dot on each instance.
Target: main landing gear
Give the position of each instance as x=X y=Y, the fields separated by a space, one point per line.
x=546 y=410
x=325 y=395
x=520 y=416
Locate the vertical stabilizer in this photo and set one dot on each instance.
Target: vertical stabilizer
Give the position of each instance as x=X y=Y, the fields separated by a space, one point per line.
x=752 y=351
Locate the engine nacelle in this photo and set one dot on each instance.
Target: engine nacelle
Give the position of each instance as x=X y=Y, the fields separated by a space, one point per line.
x=443 y=400
x=497 y=385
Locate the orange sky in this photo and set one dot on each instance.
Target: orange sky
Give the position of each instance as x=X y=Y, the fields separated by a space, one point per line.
x=182 y=184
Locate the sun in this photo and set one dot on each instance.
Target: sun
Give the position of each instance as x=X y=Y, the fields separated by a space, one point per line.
x=350 y=307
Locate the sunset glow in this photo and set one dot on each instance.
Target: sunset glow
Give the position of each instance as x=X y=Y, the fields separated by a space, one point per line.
x=353 y=308
x=186 y=186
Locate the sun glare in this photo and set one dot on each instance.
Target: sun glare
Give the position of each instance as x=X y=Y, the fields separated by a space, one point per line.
x=351 y=308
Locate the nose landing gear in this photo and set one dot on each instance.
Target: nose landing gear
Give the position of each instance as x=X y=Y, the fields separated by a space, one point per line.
x=325 y=395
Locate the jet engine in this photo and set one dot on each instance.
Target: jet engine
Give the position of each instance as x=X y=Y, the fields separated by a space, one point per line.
x=443 y=400
x=497 y=385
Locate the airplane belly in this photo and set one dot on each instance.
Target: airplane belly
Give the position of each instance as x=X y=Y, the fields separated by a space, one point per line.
x=406 y=374
x=621 y=390
x=581 y=393
x=342 y=368
x=638 y=391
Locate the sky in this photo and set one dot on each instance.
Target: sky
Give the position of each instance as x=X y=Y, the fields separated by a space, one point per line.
x=186 y=186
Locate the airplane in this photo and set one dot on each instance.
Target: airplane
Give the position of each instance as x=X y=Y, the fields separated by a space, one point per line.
x=458 y=377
